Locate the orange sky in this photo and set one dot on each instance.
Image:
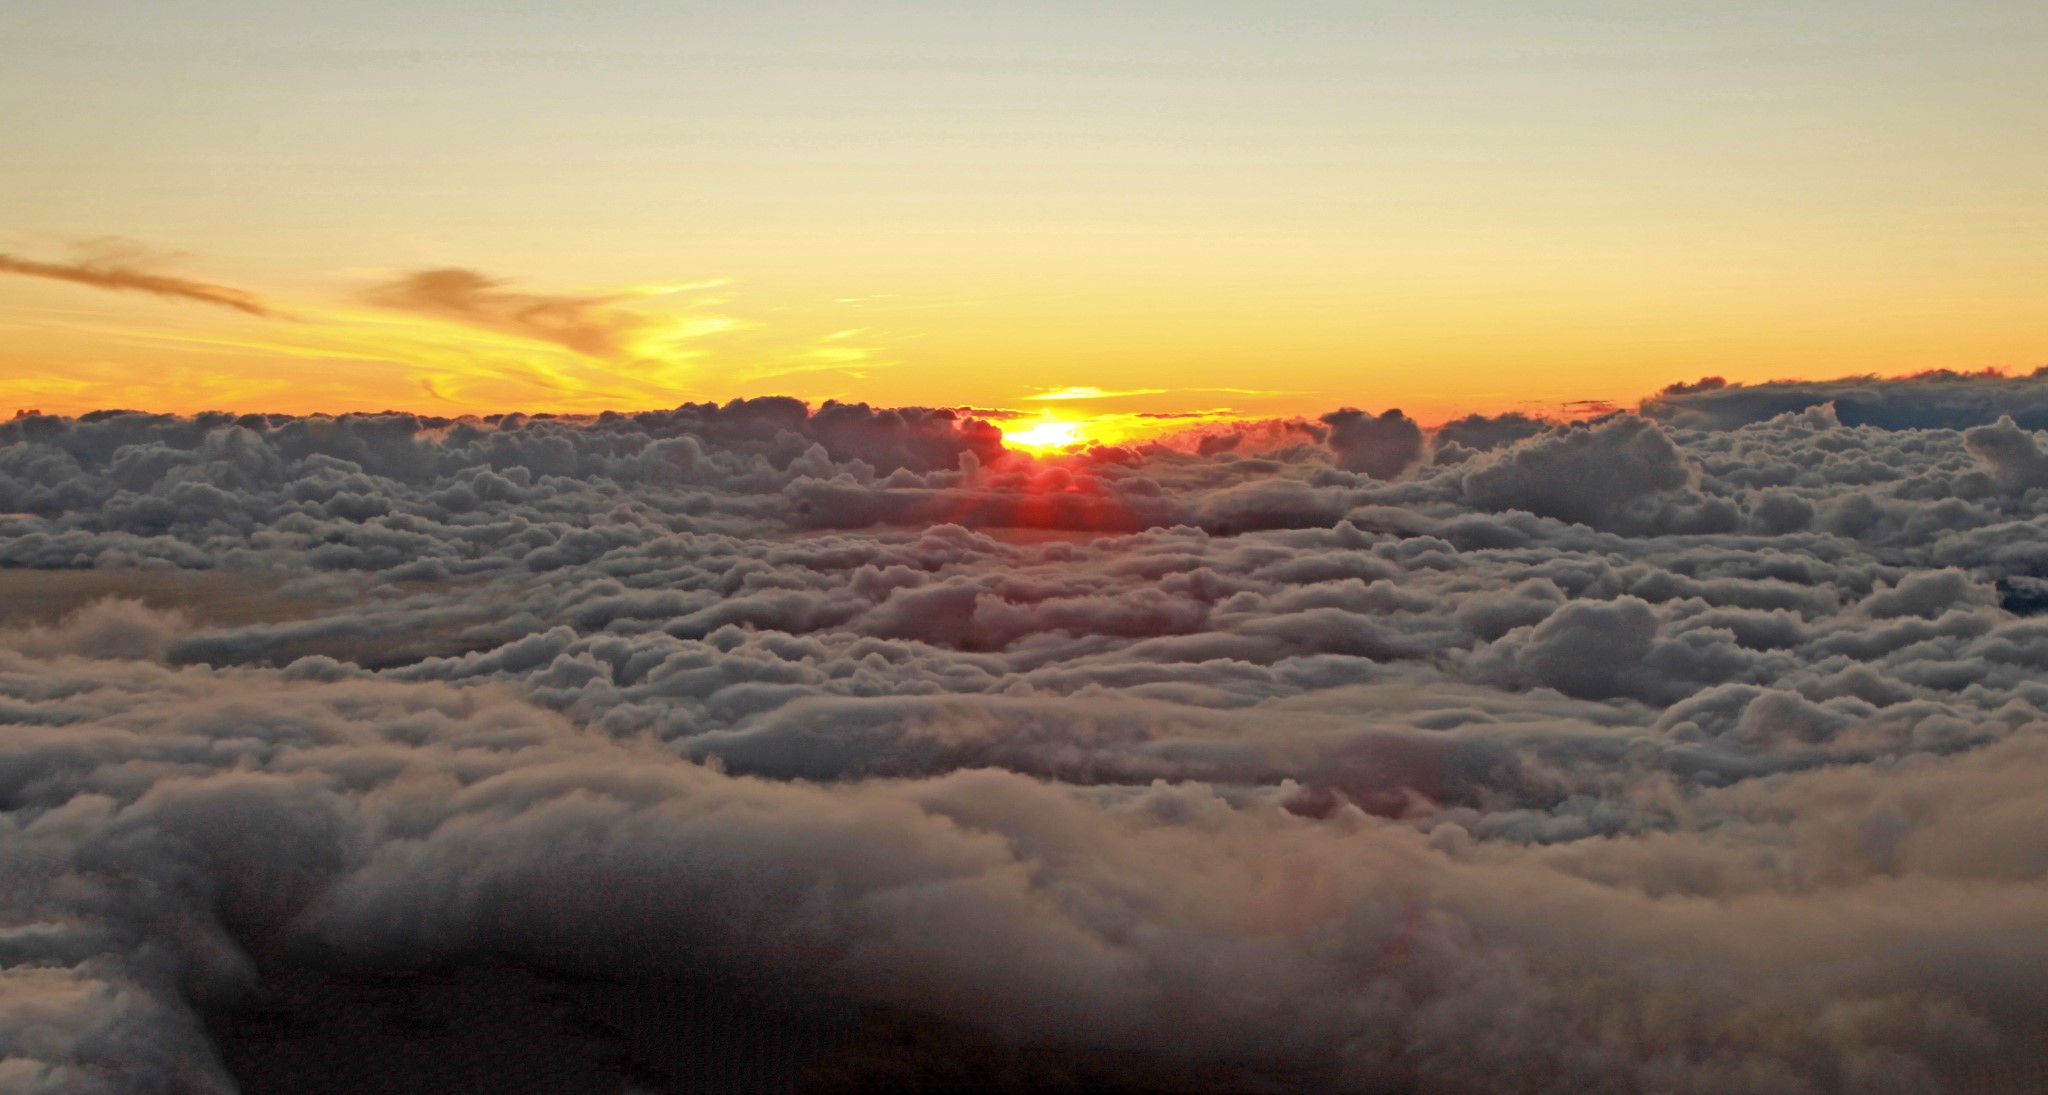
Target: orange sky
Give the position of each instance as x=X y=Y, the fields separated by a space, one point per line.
x=1198 y=207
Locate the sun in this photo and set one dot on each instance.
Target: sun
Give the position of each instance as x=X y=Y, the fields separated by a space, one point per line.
x=1044 y=435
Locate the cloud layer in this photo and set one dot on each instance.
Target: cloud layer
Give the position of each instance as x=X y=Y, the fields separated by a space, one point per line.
x=1660 y=753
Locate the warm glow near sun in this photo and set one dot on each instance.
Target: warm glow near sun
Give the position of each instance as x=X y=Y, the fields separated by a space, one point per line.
x=1044 y=435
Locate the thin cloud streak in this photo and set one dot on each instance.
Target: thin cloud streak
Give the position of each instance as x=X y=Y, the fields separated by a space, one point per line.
x=1092 y=393
x=1080 y=392
x=589 y=325
x=117 y=276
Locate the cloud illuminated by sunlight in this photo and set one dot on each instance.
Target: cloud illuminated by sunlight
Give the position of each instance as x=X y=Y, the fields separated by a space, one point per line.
x=663 y=289
x=1049 y=433
x=453 y=341
x=1045 y=435
x=1092 y=393
x=1089 y=392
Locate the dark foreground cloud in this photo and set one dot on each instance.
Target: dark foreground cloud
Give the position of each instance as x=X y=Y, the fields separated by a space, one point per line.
x=764 y=747
x=117 y=266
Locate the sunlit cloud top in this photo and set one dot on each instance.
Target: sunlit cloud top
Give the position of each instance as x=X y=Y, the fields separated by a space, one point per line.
x=1092 y=393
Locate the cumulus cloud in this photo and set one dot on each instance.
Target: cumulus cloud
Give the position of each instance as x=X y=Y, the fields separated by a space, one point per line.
x=1593 y=475
x=1483 y=433
x=764 y=746
x=1377 y=445
x=121 y=267
x=2011 y=453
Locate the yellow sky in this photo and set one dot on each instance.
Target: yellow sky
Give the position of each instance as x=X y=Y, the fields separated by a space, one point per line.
x=1205 y=206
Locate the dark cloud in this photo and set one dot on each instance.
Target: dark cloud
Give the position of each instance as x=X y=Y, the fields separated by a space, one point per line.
x=762 y=746
x=1379 y=446
x=1934 y=400
x=1484 y=433
x=119 y=266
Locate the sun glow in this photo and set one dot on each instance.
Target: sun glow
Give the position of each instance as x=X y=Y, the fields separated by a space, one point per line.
x=1044 y=435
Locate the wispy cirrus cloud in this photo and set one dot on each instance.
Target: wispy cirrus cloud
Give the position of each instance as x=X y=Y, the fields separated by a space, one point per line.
x=456 y=335
x=1091 y=393
x=1079 y=392
x=590 y=325
x=121 y=266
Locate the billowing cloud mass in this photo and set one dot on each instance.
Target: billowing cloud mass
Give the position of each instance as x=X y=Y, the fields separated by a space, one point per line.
x=118 y=266
x=759 y=746
x=1378 y=445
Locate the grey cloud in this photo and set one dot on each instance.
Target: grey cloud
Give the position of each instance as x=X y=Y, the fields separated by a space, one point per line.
x=1484 y=433
x=2011 y=452
x=1376 y=445
x=1589 y=475
x=1934 y=400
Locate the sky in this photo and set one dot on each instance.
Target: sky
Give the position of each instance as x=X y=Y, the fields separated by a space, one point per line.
x=1169 y=208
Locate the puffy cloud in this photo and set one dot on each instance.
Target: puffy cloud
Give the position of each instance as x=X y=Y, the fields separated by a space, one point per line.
x=1484 y=433
x=2011 y=453
x=759 y=745
x=1379 y=446
x=1592 y=475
